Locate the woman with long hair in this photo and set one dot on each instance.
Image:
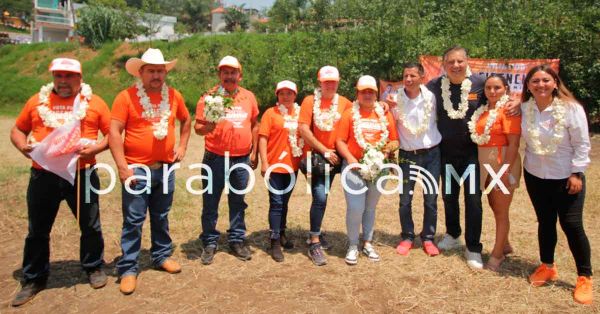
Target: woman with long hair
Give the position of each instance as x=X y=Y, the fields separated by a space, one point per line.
x=555 y=130
x=497 y=135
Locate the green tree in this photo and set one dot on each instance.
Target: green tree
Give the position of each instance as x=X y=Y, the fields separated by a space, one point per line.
x=100 y=24
x=236 y=20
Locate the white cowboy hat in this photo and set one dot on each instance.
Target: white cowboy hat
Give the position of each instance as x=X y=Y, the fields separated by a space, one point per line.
x=151 y=56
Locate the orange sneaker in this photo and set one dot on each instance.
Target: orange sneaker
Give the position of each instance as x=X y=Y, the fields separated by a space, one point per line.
x=128 y=283
x=404 y=247
x=543 y=274
x=583 y=290
x=170 y=266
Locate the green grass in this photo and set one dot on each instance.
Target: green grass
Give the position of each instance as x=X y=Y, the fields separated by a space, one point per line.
x=4 y=28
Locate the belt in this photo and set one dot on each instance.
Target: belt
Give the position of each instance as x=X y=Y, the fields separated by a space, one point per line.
x=420 y=151
x=156 y=165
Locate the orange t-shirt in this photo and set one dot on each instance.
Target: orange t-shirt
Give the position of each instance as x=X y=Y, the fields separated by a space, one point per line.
x=234 y=132
x=503 y=126
x=371 y=130
x=326 y=138
x=97 y=117
x=140 y=145
x=276 y=130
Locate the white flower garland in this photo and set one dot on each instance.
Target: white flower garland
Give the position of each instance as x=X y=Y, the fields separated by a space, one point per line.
x=558 y=113
x=54 y=119
x=295 y=143
x=428 y=109
x=373 y=157
x=324 y=120
x=161 y=128
x=463 y=106
x=484 y=138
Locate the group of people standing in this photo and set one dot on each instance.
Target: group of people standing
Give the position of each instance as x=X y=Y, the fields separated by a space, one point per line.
x=457 y=127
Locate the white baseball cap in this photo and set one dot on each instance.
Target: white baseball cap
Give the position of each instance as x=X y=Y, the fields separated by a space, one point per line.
x=329 y=73
x=229 y=61
x=65 y=64
x=366 y=82
x=286 y=85
x=151 y=56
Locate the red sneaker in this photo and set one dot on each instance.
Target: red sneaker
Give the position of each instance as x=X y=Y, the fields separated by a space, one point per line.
x=430 y=248
x=542 y=275
x=404 y=247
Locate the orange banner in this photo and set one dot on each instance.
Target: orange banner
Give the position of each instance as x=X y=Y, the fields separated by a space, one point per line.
x=388 y=88
x=514 y=70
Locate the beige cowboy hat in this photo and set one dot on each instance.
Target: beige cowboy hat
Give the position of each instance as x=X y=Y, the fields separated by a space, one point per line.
x=151 y=56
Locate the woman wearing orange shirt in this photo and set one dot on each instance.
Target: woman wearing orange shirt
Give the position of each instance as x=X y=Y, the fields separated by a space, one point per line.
x=366 y=135
x=497 y=136
x=280 y=149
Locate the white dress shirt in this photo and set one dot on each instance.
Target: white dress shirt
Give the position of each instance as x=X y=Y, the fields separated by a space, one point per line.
x=572 y=153
x=415 y=115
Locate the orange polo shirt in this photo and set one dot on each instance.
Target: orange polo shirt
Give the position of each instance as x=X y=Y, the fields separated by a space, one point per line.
x=371 y=130
x=503 y=126
x=97 y=117
x=326 y=138
x=140 y=145
x=279 y=150
x=234 y=132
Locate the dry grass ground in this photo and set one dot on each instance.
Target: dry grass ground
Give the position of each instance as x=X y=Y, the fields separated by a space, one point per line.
x=396 y=284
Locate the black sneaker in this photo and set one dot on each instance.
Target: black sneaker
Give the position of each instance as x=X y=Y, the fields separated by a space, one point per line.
x=97 y=278
x=240 y=250
x=28 y=291
x=276 y=252
x=208 y=254
x=315 y=252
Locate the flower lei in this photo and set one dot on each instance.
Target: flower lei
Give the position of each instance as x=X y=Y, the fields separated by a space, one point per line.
x=484 y=138
x=428 y=107
x=373 y=158
x=163 y=112
x=216 y=103
x=54 y=119
x=558 y=113
x=465 y=88
x=325 y=120
x=295 y=143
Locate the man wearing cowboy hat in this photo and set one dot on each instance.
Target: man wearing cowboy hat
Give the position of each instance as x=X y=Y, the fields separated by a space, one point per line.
x=66 y=100
x=146 y=112
x=233 y=139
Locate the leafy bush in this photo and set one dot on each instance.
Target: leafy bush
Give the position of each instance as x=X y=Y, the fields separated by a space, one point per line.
x=99 y=24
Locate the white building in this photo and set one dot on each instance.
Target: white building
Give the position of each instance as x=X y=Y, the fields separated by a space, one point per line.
x=54 y=20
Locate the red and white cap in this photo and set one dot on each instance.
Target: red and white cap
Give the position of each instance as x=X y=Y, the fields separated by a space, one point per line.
x=286 y=85
x=65 y=64
x=229 y=61
x=366 y=82
x=329 y=73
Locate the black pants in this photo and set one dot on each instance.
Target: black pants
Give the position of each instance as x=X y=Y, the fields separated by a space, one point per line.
x=451 y=193
x=44 y=194
x=551 y=201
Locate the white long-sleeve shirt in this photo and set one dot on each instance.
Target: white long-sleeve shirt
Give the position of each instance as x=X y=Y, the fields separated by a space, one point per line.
x=572 y=153
x=415 y=115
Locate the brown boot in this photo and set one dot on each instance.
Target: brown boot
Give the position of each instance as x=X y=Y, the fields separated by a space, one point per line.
x=170 y=266
x=276 y=252
x=128 y=284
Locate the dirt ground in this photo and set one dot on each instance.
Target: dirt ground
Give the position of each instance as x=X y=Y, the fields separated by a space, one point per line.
x=416 y=283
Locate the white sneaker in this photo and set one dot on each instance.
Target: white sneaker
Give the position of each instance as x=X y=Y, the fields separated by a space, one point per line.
x=352 y=255
x=473 y=259
x=370 y=252
x=449 y=242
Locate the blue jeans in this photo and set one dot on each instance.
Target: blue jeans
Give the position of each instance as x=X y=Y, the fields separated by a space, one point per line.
x=430 y=161
x=360 y=207
x=238 y=180
x=319 y=193
x=473 y=207
x=278 y=202
x=134 y=214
